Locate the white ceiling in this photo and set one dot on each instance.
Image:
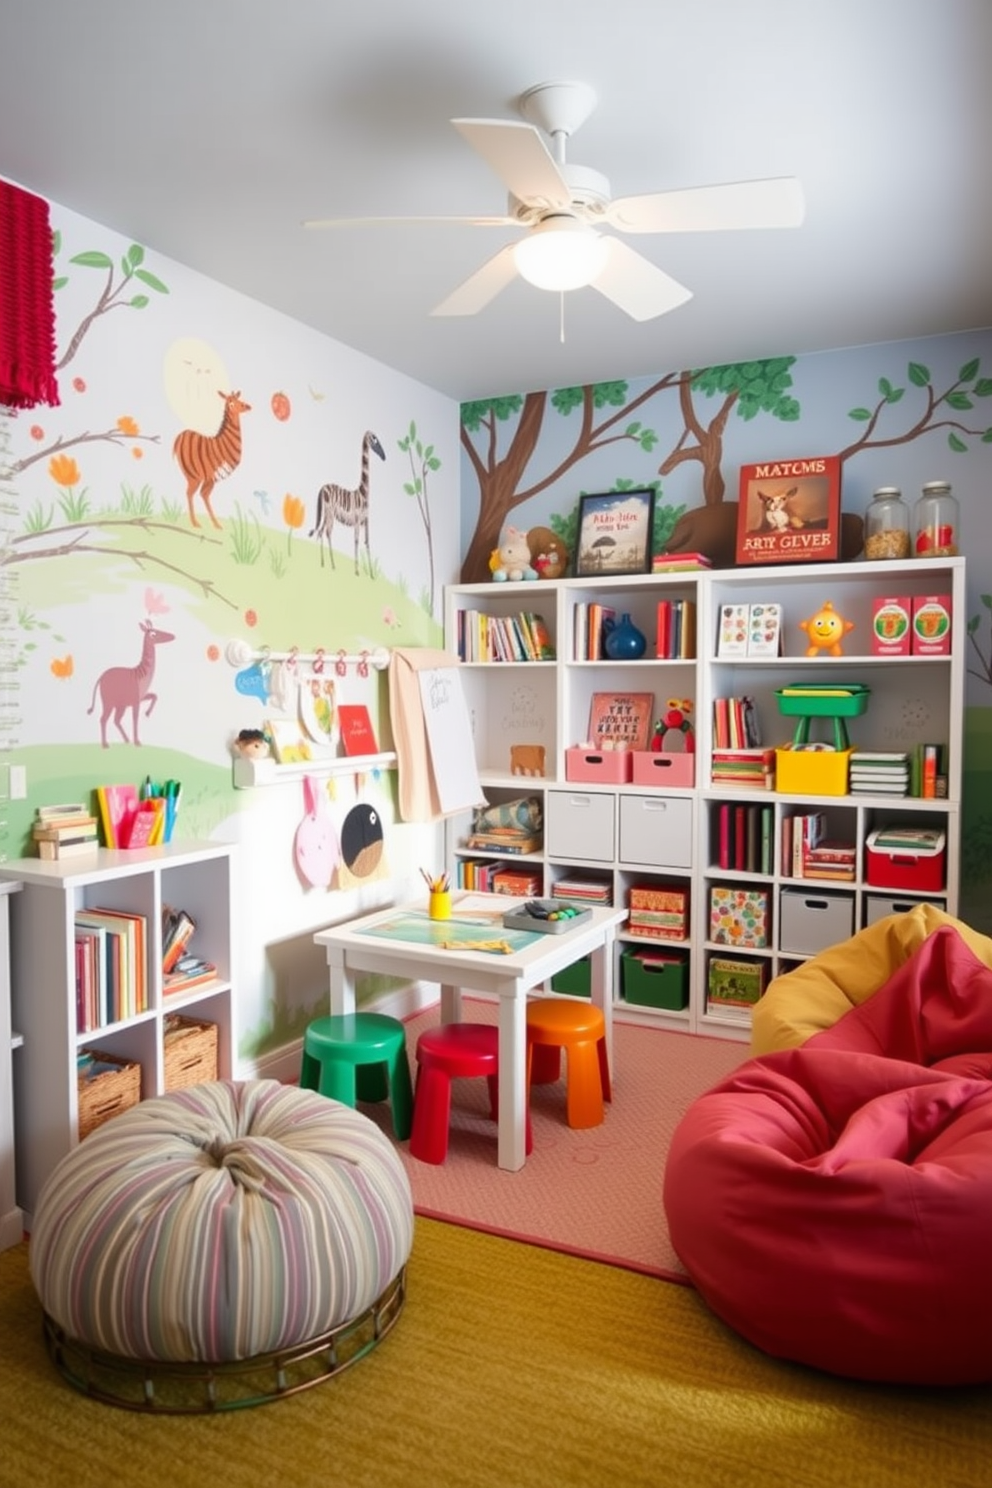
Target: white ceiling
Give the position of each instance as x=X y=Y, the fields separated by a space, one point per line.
x=208 y=129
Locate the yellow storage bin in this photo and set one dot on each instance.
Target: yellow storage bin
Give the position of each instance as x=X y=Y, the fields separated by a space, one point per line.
x=812 y=772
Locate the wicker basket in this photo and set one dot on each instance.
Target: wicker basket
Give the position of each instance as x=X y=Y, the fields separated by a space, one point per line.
x=190 y=1049
x=108 y=1092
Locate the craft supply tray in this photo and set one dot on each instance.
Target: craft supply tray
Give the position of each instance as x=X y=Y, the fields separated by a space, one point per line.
x=519 y=919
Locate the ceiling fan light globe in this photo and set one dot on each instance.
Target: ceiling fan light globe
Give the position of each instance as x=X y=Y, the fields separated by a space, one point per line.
x=561 y=254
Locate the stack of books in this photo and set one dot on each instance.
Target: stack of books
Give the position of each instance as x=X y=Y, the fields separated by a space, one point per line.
x=65 y=831
x=505 y=840
x=831 y=859
x=679 y=562
x=583 y=890
x=879 y=773
x=754 y=768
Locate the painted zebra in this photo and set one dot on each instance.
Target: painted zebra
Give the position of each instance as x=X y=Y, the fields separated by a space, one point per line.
x=204 y=459
x=350 y=508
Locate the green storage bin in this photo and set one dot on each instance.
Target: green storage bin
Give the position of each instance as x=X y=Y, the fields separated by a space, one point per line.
x=653 y=979
x=575 y=979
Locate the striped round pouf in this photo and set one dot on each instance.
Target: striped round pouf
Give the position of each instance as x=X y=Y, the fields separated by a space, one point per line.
x=228 y=1222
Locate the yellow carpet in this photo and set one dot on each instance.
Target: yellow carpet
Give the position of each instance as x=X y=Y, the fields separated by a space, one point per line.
x=512 y=1366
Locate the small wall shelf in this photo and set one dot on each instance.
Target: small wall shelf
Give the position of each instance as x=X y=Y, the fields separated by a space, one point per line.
x=252 y=772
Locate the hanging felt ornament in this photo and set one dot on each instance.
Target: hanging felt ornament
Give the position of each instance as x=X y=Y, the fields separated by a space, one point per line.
x=252 y=682
x=316 y=845
x=362 y=847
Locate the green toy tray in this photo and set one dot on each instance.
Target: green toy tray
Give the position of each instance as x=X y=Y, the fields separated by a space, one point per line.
x=823 y=700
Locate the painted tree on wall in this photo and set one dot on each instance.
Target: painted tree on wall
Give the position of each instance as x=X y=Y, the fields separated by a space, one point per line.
x=744 y=390
x=505 y=482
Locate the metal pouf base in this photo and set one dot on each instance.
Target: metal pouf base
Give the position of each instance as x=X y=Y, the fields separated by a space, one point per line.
x=162 y=1387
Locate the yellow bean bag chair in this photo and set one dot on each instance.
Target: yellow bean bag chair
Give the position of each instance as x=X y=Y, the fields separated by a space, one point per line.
x=813 y=997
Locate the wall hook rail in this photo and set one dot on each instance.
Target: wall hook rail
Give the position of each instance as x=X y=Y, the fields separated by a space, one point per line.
x=240 y=654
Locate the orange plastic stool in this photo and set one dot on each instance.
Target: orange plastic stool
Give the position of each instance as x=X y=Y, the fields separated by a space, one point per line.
x=448 y=1052
x=580 y=1029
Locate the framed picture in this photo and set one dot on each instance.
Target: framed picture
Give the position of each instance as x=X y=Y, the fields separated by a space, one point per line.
x=621 y=718
x=615 y=533
x=789 y=511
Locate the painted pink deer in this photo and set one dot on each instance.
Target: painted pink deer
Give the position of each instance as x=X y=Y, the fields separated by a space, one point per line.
x=204 y=459
x=121 y=687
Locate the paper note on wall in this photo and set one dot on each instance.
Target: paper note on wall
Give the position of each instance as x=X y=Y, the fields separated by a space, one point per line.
x=449 y=737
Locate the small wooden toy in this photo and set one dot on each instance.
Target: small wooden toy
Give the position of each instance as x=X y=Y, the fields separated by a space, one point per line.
x=826 y=629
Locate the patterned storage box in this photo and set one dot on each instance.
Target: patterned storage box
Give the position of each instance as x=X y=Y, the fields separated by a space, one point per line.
x=738 y=917
x=660 y=913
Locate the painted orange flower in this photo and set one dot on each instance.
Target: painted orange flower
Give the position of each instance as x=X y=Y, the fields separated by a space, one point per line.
x=79 y=384
x=293 y=512
x=250 y=617
x=36 y=431
x=137 y=454
x=61 y=667
x=213 y=652
x=63 y=470
x=127 y=425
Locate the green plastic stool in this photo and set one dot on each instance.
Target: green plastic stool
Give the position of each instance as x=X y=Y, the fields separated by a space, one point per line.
x=360 y=1056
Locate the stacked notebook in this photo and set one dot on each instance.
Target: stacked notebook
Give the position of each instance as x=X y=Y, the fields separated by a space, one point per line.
x=877 y=773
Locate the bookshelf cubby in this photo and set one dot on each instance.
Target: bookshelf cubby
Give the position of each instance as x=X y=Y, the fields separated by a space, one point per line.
x=194 y=876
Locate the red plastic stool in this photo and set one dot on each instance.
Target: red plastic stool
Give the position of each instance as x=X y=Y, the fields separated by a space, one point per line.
x=554 y=1024
x=448 y=1052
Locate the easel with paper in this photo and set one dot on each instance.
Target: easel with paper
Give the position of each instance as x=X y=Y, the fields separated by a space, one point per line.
x=449 y=738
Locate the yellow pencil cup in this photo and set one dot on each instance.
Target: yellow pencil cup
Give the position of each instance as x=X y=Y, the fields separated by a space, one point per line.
x=439 y=905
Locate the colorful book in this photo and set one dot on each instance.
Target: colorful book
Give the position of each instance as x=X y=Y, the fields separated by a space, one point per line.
x=357 y=733
x=117 y=804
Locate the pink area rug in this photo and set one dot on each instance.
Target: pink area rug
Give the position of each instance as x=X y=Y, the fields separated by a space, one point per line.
x=594 y=1193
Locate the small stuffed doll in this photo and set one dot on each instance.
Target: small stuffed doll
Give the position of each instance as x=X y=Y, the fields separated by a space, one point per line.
x=512 y=557
x=252 y=744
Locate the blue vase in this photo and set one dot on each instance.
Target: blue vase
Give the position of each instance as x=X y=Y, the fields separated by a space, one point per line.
x=624 y=642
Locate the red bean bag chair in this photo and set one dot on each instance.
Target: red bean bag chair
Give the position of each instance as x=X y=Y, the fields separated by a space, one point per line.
x=833 y=1202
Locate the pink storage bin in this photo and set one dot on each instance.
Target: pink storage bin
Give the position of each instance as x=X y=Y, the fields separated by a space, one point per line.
x=607 y=766
x=654 y=768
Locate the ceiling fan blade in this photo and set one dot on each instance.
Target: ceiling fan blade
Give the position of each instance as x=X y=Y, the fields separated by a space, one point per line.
x=519 y=156
x=377 y=221
x=482 y=286
x=740 y=204
x=637 y=286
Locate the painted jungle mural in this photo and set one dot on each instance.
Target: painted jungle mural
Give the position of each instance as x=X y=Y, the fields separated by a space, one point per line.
x=218 y=488
x=899 y=415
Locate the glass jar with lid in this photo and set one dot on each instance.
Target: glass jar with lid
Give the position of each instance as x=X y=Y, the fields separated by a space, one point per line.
x=887 y=525
x=936 y=522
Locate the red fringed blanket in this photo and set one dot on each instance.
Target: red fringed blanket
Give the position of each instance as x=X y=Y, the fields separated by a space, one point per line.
x=27 y=312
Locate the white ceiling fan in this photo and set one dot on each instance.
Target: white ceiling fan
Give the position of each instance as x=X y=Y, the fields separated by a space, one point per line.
x=563 y=206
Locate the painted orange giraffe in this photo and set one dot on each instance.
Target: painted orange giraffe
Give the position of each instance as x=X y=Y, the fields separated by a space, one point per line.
x=204 y=459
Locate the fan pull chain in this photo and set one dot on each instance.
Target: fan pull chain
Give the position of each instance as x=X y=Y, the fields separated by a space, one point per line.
x=561 y=316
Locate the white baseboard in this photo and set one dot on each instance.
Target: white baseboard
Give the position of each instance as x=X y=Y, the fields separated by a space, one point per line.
x=12 y=1229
